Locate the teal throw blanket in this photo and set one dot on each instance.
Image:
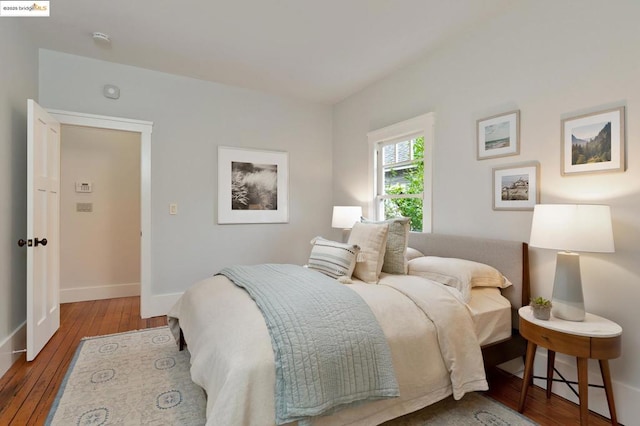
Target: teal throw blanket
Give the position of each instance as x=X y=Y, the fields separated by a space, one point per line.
x=329 y=348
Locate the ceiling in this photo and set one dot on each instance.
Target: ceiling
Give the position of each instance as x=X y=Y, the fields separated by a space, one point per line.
x=317 y=50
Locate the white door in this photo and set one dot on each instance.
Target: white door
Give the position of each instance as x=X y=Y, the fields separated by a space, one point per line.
x=43 y=245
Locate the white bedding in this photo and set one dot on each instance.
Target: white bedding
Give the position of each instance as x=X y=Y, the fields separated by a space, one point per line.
x=232 y=357
x=491 y=313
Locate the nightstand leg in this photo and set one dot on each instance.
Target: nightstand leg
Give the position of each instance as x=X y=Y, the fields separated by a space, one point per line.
x=606 y=380
x=583 y=389
x=551 y=359
x=528 y=374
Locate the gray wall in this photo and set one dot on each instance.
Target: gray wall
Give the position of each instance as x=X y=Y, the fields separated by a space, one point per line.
x=550 y=60
x=18 y=81
x=191 y=119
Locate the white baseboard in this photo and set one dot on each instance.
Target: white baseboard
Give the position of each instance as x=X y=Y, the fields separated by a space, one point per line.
x=16 y=341
x=80 y=294
x=626 y=397
x=158 y=305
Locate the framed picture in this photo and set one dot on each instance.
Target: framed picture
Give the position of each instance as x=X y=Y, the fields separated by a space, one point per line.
x=516 y=187
x=253 y=186
x=499 y=136
x=593 y=142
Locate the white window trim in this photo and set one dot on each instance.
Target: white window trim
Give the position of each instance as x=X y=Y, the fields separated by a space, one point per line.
x=422 y=124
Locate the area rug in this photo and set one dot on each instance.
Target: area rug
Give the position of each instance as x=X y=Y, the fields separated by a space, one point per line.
x=134 y=378
x=473 y=409
x=140 y=378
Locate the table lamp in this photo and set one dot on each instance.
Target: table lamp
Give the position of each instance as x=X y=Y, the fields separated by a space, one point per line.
x=345 y=217
x=571 y=228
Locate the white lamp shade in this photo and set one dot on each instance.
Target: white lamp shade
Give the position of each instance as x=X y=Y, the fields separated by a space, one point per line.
x=345 y=216
x=572 y=227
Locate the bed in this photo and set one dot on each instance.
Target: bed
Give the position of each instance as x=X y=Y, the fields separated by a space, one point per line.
x=233 y=358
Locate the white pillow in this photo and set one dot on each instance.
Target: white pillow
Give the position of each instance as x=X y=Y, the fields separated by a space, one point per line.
x=395 y=260
x=372 y=239
x=458 y=273
x=332 y=258
x=413 y=253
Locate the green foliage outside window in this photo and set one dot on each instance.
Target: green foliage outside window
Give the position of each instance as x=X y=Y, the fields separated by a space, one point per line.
x=414 y=184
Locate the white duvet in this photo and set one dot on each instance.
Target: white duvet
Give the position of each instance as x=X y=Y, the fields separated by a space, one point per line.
x=430 y=332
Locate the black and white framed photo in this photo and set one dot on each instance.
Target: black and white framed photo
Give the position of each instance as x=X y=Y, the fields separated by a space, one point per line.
x=499 y=135
x=516 y=187
x=593 y=142
x=253 y=186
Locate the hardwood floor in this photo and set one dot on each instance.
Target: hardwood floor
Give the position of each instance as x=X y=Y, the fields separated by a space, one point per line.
x=27 y=390
x=505 y=388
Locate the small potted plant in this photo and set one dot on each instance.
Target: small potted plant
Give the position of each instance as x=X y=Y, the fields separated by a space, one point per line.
x=541 y=308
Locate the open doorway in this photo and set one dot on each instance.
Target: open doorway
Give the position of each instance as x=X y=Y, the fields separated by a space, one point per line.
x=99 y=213
x=143 y=128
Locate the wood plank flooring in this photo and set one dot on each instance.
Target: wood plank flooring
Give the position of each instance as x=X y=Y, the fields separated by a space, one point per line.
x=27 y=390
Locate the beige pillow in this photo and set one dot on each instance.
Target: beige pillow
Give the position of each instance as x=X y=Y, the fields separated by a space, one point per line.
x=395 y=260
x=372 y=240
x=459 y=273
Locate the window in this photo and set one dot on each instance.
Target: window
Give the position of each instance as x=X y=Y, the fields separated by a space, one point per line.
x=401 y=171
x=401 y=180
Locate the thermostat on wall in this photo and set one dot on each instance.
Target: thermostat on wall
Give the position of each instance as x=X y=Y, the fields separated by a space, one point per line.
x=84 y=186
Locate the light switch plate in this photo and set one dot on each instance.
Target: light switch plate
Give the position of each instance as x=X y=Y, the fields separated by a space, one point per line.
x=173 y=208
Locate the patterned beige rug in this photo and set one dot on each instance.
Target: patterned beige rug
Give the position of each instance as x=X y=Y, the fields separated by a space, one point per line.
x=140 y=378
x=135 y=378
x=473 y=409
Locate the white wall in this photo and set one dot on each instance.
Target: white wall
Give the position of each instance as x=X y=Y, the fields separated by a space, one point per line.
x=550 y=60
x=99 y=250
x=18 y=81
x=191 y=119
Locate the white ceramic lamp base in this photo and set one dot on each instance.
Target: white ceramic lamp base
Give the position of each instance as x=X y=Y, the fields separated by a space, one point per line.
x=567 y=299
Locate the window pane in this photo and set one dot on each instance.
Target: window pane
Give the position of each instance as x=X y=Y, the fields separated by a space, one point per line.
x=418 y=148
x=402 y=173
x=404 y=151
x=403 y=180
x=389 y=154
x=405 y=207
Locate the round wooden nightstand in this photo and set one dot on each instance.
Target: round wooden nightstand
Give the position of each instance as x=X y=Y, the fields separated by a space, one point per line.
x=595 y=338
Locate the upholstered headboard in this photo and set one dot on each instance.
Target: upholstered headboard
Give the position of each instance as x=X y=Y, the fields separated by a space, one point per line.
x=509 y=257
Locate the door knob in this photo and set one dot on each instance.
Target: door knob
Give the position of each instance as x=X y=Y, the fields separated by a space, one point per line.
x=43 y=241
x=22 y=242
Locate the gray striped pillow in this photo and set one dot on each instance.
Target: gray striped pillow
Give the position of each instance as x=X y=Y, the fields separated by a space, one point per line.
x=332 y=258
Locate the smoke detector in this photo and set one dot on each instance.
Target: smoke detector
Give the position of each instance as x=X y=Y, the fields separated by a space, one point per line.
x=111 y=91
x=101 y=38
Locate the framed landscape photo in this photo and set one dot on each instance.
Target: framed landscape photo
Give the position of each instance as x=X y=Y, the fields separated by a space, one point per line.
x=498 y=136
x=593 y=142
x=516 y=187
x=253 y=186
